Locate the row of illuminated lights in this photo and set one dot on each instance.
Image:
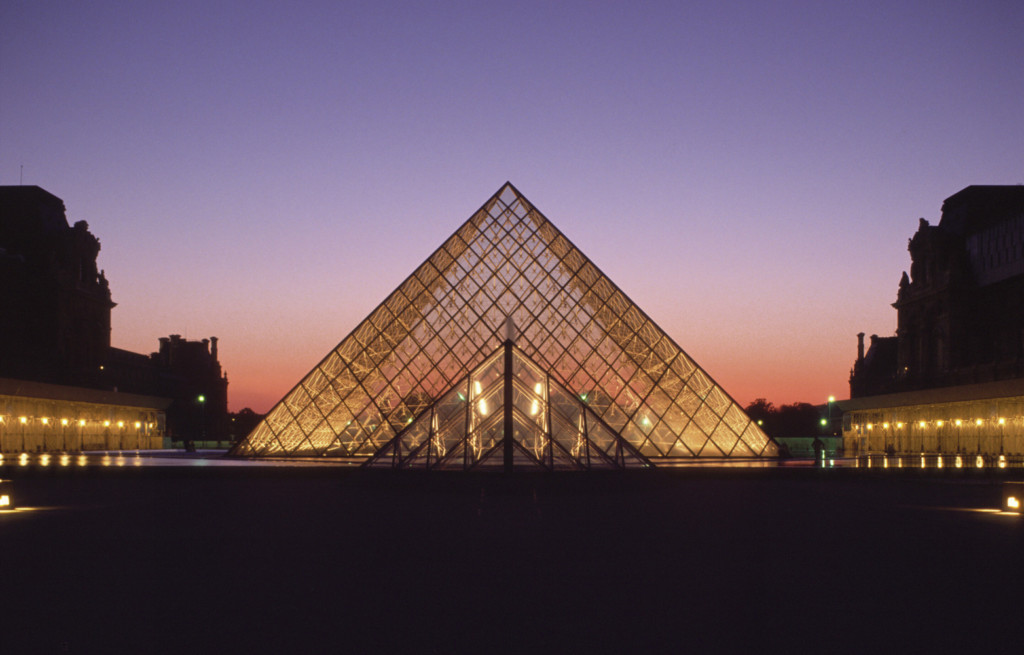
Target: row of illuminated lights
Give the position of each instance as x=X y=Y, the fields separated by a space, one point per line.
x=956 y=461
x=899 y=425
x=64 y=422
x=65 y=459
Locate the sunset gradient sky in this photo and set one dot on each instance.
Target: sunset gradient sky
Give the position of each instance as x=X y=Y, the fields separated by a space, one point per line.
x=747 y=172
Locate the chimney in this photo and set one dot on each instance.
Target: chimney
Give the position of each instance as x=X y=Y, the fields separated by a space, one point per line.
x=860 y=346
x=213 y=348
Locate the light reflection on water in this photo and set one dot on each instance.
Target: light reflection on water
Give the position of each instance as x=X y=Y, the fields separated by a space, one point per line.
x=217 y=458
x=142 y=458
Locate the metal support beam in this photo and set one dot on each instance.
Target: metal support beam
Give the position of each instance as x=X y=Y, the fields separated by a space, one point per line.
x=507 y=435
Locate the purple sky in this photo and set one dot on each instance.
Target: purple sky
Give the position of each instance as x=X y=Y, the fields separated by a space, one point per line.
x=748 y=173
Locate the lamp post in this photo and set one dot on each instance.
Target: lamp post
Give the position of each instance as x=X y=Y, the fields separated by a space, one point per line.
x=831 y=399
x=202 y=417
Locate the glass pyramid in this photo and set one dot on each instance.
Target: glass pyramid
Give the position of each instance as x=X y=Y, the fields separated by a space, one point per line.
x=551 y=427
x=378 y=394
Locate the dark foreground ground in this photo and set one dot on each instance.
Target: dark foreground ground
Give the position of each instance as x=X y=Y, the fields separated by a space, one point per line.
x=329 y=560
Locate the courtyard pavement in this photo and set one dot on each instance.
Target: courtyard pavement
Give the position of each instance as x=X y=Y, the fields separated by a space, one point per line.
x=327 y=559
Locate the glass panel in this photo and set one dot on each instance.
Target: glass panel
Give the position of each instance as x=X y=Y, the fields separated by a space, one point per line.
x=694 y=437
x=600 y=436
x=529 y=375
x=755 y=438
x=724 y=438
x=662 y=437
x=491 y=370
x=717 y=401
x=565 y=405
x=452 y=406
x=706 y=419
x=488 y=404
x=570 y=436
x=530 y=437
x=413 y=437
x=710 y=450
x=447 y=437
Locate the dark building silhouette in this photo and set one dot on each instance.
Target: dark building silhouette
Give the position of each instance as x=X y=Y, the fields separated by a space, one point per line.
x=960 y=312
x=55 y=322
x=187 y=372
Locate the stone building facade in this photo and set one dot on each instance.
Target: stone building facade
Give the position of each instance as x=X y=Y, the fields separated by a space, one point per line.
x=55 y=328
x=957 y=358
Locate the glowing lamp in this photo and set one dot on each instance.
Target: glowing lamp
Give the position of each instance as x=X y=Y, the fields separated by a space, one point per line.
x=978 y=422
x=979 y=461
x=23 y=419
x=6 y=495
x=1002 y=421
x=45 y=421
x=1013 y=495
x=921 y=424
x=63 y=421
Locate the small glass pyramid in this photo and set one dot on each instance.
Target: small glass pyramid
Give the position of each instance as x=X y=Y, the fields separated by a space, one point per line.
x=389 y=393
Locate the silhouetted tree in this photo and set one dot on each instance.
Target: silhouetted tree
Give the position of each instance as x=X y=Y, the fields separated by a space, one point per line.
x=761 y=410
x=243 y=422
x=796 y=420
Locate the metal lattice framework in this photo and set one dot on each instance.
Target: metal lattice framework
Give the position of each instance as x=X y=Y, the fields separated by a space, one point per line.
x=441 y=324
x=550 y=427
